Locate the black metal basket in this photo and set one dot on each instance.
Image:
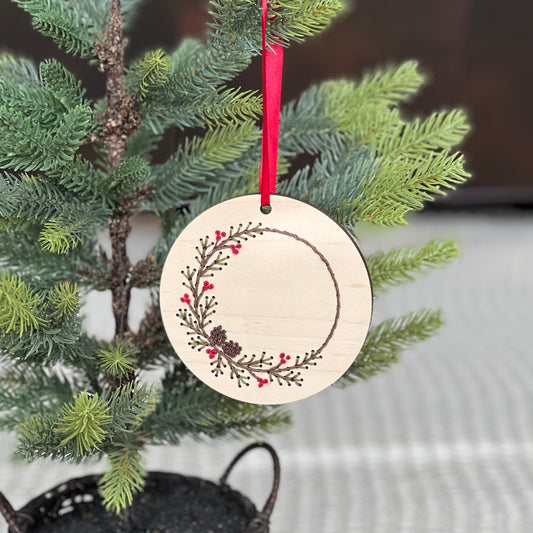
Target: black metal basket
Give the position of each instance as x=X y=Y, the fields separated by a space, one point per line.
x=170 y=503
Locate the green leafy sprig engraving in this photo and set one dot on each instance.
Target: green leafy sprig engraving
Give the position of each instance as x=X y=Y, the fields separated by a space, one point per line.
x=224 y=353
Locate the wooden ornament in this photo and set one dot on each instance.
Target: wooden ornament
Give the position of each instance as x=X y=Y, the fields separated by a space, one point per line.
x=266 y=308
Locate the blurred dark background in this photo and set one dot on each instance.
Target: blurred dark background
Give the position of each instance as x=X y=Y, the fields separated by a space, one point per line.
x=478 y=53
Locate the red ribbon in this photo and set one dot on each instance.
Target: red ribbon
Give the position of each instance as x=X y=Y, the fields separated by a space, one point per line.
x=272 y=73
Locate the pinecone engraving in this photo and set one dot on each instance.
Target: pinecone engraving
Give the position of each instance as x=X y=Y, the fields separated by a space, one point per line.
x=231 y=348
x=218 y=335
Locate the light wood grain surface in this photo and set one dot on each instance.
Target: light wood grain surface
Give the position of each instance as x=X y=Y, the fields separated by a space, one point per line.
x=291 y=289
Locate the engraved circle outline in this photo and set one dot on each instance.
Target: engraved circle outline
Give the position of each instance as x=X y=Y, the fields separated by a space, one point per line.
x=198 y=294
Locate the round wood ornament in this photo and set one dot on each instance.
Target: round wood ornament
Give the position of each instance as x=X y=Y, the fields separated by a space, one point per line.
x=266 y=308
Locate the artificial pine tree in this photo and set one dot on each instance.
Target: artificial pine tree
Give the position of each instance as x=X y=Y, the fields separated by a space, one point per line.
x=70 y=167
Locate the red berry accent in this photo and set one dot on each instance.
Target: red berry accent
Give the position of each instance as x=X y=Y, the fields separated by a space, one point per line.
x=239 y=245
x=207 y=286
x=185 y=299
x=284 y=358
x=223 y=234
x=211 y=352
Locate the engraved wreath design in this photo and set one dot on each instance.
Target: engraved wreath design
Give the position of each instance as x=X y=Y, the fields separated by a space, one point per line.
x=199 y=306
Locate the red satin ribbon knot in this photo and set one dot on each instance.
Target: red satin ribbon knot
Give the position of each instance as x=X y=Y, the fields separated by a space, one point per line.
x=272 y=74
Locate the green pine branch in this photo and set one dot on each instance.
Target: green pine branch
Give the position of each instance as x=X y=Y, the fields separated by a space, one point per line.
x=64 y=300
x=18 y=306
x=335 y=181
x=439 y=131
x=33 y=101
x=125 y=178
x=84 y=423
x=401 y=185
x=190 y=171
x=21 y=253
x=38 y=439
x=149 y=73
x=188 y=407
x=240 y=21
x=29 y=390
x=296 y=21
x=378 y=89
x=194 y=93
x=304 y=125
x=125 y=477
x=199 y=65
x=58 y=237
x=26 y=146
x=35 y=198
x=386 y=341
x=142 y=143
x=130 y=404
x=129 y=407
x=61 y=21
x=401 y=264
x=75 y=431
x=18 y=71
x=192 y=109
x=61 y=83
x=79 y=176
x=411 y=163
x=118 y=358
x=54 y=339
x=65 y=220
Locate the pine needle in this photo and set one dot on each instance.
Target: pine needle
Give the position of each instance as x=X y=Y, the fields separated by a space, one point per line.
x=386 y=341
x=124 y=478
x=64 y=299
x=84 y=422
x=149 y=72
x=119 y=358
x=401 y=264
x=18 y=306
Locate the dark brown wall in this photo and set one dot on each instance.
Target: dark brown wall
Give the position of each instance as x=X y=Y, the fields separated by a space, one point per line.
x=479 y=54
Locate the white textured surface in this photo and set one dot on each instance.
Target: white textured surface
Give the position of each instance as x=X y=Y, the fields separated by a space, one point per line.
x=441 y=442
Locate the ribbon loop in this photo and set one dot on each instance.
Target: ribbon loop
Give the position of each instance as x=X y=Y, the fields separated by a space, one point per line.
x=272 y=74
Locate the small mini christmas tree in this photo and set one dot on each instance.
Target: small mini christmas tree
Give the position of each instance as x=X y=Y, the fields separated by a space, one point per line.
x=70 y=167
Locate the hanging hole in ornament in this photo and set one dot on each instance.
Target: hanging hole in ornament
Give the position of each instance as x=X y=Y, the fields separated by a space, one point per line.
x=266 y=209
